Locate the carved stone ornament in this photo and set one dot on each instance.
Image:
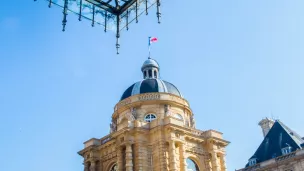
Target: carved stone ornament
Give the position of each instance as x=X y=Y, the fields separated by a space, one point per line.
x=134 y=113
x=127 y=115
x=192 y=121
x=113 y=126
x=167 y=110
x=148 y=96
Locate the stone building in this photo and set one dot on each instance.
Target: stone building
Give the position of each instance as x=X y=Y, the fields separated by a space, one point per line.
x=281 y=149
x=153 y=129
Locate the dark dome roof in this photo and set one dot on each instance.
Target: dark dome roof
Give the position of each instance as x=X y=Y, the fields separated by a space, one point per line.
x=151 y=85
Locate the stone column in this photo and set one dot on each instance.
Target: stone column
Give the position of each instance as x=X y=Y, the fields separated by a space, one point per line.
x=93 y=166
x=215 y=162
x=155 y=158
x=223 y=162
x=119 y=158
x=183 y=163
x=172 y=156
x=129 y=158
x=86 y=167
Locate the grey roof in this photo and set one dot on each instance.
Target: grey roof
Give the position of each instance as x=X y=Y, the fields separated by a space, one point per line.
x=151 y=85
x=150 y=63
x=278 y=137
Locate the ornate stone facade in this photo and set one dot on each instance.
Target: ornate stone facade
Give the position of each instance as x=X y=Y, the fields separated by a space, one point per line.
x=155 y=132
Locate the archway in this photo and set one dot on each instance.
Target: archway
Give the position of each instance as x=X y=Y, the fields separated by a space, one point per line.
x=191 y=165
x=114 y=168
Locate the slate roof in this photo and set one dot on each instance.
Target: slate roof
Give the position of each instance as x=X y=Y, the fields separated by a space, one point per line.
x=151 y=85
x=278 y=137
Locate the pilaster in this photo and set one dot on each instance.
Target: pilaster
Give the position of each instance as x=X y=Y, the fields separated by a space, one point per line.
x=141 y=157
x=119 y=159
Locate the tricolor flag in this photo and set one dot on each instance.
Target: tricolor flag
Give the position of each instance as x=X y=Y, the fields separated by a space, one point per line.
x=152 y=40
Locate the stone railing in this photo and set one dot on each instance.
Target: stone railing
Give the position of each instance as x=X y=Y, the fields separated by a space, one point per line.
x=197 y=132
x=151 y=96
x=105 y=139
x=213 y=133
x=97 y=142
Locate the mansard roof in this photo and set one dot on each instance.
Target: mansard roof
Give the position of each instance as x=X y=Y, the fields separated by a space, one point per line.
x=278 y=137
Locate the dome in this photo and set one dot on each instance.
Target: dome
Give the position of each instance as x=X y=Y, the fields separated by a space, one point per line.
x=151 y=82
x=152 y=85
x=149 y=63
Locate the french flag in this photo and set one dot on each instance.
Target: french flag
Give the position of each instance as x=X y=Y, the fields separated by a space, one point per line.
x=152 y=40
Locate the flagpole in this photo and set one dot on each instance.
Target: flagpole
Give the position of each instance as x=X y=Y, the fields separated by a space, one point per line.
x=149 y=48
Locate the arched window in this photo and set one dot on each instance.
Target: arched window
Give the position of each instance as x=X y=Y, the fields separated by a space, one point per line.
x=178 y=116
x=191 y=165
x=145 y=74
x=155 y=74
x=150 y=73
x=114 y=168
x=150 y=117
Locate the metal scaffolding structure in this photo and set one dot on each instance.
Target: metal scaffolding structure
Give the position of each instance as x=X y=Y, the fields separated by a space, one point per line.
x=113 y=15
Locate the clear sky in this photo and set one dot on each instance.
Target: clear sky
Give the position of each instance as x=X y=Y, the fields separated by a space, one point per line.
x=235 y=61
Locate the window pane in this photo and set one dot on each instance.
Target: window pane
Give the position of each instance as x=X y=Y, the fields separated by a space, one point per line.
x=150 y=117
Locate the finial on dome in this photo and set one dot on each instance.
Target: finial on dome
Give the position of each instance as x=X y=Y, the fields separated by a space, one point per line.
x=150 y=68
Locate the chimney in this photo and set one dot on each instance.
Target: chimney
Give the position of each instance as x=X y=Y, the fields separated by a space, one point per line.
x=266 y=125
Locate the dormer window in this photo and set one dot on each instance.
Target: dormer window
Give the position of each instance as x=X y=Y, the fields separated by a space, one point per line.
x=286 y=150
x=252 y=161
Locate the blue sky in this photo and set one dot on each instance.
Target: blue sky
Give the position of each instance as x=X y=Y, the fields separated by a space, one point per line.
x=235 y=61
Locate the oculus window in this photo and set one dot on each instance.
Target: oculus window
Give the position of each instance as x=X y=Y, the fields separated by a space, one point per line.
x=150 y=117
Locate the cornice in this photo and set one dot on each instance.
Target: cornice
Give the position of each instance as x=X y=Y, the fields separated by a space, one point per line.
x=151 y=98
